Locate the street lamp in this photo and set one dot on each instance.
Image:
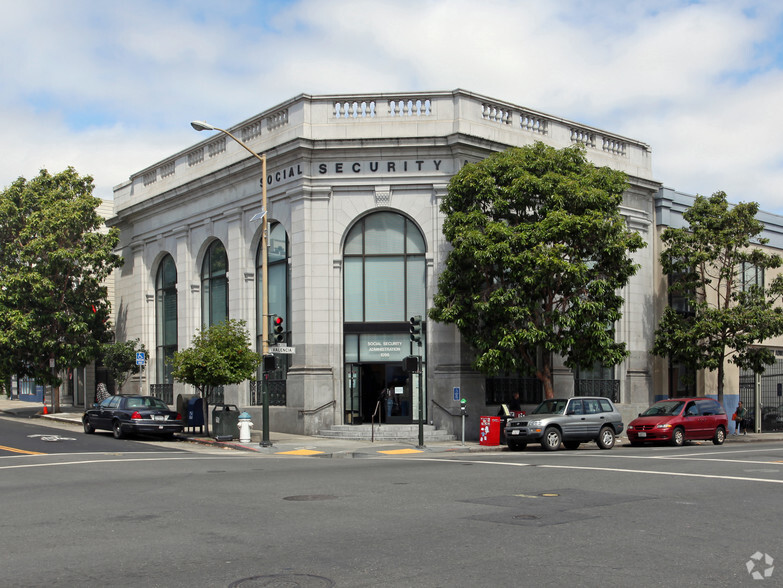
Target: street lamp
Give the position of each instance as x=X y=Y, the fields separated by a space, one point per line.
x=200 y=125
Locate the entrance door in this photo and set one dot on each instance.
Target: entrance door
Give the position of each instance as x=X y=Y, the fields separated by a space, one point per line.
x=382 y=390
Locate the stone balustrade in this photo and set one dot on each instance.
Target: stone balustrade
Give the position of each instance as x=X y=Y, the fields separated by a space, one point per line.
x=340 y=117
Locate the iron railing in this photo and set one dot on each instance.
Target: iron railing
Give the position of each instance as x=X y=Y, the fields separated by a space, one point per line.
x=163 y=391
x=604 y=388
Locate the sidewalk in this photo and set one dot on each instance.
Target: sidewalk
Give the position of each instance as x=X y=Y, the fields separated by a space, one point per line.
x=303 y=445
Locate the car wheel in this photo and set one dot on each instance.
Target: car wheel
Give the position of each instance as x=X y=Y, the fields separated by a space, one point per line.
x=571 y=444
x=719 y=437
x=551 y=440
x=605 y=438
x=678 y=437
x=516 y=446
x=116 y=428
x=88 y=428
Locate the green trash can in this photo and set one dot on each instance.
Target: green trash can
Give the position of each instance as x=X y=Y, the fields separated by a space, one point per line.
x=225 y=422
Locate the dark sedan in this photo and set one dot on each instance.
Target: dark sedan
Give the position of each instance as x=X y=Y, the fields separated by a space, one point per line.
x=125 y=414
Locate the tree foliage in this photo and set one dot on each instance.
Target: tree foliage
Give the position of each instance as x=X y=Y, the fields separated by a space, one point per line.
x=120 y=359
x=721 y=319
x=220 y=355
x=54 y=261
x=540 y=252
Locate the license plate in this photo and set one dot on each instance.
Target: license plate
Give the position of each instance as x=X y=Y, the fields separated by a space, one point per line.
x=642 y=434
x=158 y=417
x=515 y=432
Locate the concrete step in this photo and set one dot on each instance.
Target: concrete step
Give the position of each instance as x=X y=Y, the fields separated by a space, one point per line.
x=385 y=433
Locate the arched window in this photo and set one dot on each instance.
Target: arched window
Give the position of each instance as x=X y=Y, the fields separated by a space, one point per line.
x=384 y=270
x=165 y=318
x=214 y=285
x=277 y=274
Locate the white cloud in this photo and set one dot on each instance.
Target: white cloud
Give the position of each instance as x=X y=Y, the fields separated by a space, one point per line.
x=110 y=88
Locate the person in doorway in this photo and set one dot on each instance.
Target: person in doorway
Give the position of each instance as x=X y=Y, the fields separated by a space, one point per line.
x=739 y=418
x=389 y=394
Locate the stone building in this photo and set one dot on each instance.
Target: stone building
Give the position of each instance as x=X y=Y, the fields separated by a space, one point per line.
x=354 y=184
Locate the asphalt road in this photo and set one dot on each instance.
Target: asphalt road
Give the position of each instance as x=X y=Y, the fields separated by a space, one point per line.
x=652 y=516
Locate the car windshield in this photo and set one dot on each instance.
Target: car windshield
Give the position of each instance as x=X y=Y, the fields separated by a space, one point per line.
x=663 y=409
x=551 y=407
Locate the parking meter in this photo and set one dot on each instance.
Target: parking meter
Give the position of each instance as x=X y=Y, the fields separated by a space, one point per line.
x=463 y=409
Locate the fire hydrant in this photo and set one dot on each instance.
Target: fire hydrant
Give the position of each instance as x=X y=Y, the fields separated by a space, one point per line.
x=244 y=425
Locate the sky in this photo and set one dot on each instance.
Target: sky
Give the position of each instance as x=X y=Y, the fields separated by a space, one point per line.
x=110 y=87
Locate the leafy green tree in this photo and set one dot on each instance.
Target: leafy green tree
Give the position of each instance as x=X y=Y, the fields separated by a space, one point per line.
x=220 y=355
x=120 y=359
x=54 y=261
x=723 y=318
x=540 y=251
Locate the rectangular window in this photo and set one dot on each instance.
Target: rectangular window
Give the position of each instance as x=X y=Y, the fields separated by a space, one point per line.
x=750 y=275
x=354 y=286
x=384 y=289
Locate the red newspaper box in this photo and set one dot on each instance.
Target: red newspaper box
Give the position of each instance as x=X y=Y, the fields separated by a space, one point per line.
x=489 y=430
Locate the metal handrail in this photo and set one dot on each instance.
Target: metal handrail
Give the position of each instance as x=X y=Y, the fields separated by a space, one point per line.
x=444 y=409
x=319 y=409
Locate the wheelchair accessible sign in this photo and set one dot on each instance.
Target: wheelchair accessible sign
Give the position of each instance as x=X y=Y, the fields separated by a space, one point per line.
x=140 y=359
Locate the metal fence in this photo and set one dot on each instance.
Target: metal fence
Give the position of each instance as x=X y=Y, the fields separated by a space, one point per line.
x=163 y=391
x=604 y=388
x=277 y=393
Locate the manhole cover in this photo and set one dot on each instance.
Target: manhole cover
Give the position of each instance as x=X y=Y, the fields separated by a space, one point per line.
x=310 y=497
x=284 y=581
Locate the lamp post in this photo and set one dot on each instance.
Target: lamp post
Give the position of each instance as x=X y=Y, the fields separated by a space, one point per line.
x=203 y=126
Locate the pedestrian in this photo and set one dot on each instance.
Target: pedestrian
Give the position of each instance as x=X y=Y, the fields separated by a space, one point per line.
x=101 y=393
x=739 y=418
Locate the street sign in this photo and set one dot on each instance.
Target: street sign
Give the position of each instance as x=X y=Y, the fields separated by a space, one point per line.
x=282 y=350
x=456 y=392
x=140 y=360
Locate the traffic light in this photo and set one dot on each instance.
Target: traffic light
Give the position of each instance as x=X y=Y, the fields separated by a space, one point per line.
x=416 y=329
x=278 y=335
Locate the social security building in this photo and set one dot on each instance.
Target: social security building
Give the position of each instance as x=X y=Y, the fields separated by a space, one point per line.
x=354 y=184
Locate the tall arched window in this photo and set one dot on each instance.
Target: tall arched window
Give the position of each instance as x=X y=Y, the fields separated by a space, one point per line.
x=165 y=318
x=277 y=274
x=384 y=284
x=384 y=270
x=214 y=285
x=278 y=290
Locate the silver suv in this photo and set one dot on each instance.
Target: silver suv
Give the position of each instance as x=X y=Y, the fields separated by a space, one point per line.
x=569 y=421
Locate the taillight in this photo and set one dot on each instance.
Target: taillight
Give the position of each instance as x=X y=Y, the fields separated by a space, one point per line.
x=136 y=415
x=179 y=417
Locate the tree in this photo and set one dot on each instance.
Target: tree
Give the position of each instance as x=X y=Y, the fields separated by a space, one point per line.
x=220 y=355
x=120 y=359
x=54 y=261
x=540 y=252
x=726 y=315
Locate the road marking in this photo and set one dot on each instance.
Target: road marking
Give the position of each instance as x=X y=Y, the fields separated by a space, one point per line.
x=15 y=450
x=299 y=452
x=598 y=469
x=102 y=461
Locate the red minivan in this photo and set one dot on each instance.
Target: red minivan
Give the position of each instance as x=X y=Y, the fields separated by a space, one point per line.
x=678 y=420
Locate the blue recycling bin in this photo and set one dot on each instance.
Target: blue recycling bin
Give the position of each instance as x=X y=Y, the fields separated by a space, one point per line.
x=191 y=407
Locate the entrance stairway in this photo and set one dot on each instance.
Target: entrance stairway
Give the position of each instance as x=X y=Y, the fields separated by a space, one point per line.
x=386 y=433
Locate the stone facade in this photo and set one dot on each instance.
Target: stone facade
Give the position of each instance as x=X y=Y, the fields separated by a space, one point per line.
x=333 y=160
